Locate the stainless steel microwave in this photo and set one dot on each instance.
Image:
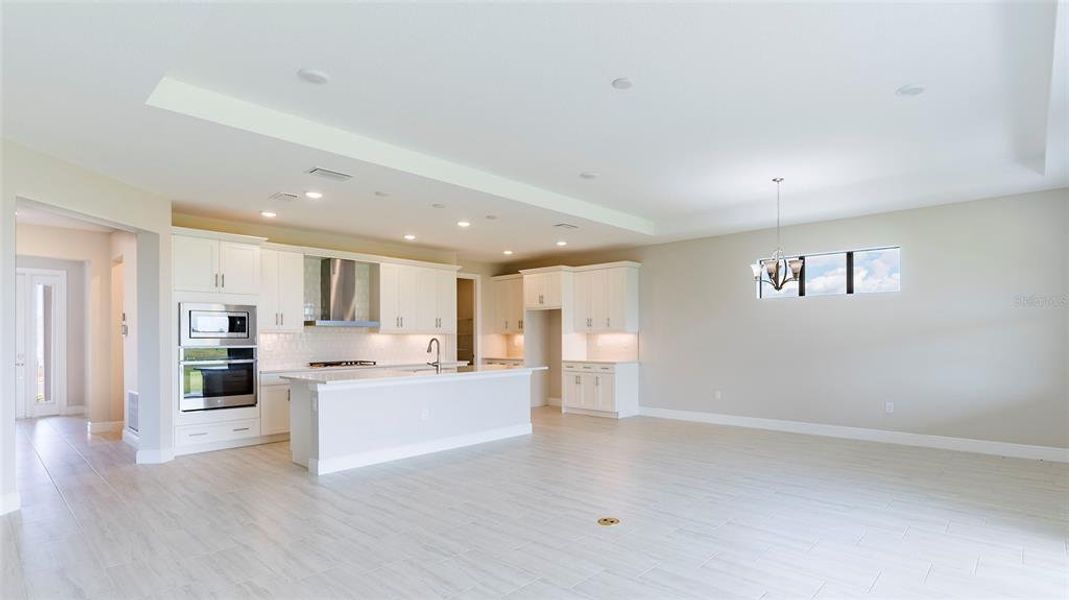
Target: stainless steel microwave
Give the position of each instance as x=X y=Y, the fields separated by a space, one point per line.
x=217 y=324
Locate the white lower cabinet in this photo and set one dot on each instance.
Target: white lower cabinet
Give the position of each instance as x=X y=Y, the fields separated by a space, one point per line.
x=274 y=409
x=206 y=433
x=600 y=389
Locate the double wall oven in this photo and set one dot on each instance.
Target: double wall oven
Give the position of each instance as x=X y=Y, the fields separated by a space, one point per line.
x=217 y=359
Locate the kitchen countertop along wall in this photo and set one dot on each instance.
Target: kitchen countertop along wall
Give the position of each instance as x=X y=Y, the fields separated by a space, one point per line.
x=290 y=351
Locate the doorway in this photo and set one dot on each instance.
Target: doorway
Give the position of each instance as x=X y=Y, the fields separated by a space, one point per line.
x=466 y=315
x=40 y=343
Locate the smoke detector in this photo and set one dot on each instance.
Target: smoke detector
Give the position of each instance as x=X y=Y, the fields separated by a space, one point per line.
x=328 y=174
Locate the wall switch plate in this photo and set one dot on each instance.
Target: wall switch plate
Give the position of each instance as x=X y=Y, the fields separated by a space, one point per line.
x=888 y=407
x=718 y=395
x=425 y=415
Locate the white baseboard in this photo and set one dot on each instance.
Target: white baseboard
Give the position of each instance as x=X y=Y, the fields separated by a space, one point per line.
x=131 y=438
x=904 y=438
x=104 y=426
x=73 y=410
x=9 y=503
x=553 y=401
x=363 y=459
x=154 y=456
x=229 y=444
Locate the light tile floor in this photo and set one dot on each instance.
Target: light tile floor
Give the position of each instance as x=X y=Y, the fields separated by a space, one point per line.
x=706 y=511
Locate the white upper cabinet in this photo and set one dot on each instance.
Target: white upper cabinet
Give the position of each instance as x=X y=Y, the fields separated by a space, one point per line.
x=204 y=264
x=545 y=289
x=416 y=299
x=505 y=314
x=281 y=291
x=606 y=299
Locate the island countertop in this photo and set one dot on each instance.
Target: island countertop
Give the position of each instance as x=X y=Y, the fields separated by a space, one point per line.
x=354 y=378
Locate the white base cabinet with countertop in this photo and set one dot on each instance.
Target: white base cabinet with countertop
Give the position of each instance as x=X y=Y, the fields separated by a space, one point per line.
x=600 y=389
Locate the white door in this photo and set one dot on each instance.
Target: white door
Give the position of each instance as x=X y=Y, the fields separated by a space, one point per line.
x=239 y=268
x=21 y=351
x=196 y=264
x=291 y=291
x=44 y=340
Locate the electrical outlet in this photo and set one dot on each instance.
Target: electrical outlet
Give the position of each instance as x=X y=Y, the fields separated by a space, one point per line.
x=425 y=415
x=718 y=395
x=888 y=407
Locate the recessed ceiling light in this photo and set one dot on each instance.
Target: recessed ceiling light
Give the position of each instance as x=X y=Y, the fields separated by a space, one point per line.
x=268 y=214
x=910 y=89
x=588 y=175
x=381 y=194
x=409 y=237
x=507 y=252
x=463 y=224
x=437 y=205
x=622 y=83
x=562 y=243
x=313 y=76
x=313 y=195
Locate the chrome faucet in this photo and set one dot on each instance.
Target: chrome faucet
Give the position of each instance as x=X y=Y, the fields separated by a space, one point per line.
x=437 y=364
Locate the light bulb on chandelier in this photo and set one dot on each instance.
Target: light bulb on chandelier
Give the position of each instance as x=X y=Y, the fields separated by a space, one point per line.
x=780 y=270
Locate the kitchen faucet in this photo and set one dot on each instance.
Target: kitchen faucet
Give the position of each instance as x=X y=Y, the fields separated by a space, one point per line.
x=437 y=364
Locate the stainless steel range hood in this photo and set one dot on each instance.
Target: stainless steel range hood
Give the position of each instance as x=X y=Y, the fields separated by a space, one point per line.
x=346 y=288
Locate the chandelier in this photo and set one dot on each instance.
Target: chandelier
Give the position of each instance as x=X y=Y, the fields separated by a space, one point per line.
x=780 y=270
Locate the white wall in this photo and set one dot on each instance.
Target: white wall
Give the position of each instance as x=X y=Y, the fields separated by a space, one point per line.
x=30 y=176
x=124 y=251
x=93 y=249
x=954 y=350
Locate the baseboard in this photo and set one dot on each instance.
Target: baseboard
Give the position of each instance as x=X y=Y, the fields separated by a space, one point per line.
x=154 y=456
x=131 y=438
x=71 y=411
x=903 y=438
x=229 y=444
x=553 y=401
x=9 y=503
x=363 y=459
x=104 y=426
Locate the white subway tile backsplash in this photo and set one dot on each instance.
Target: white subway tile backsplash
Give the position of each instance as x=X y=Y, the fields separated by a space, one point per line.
x=295 y=350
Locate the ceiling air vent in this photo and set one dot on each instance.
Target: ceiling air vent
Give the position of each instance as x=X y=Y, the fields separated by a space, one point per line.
x=328 y=174
x=283 y=197
x=566 y=226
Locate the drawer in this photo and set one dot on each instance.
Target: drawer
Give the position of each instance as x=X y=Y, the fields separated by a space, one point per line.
x=190 y=435
x=605 y=368
x=586 y=367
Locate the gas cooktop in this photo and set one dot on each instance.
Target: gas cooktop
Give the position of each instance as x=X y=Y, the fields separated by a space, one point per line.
x=341 y=363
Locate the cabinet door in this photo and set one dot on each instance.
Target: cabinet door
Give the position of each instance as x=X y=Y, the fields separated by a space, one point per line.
x=603 y=393
x=389 y=303
x=412 y=303
x=581 y=319
x=599 y=300
x=446 y=294
x=239 y=268
x=196 y=264
x=551 y=290
x=513 y=304
x=572 y=390
x=589 y=392
x=268 y=309
x=274 y=409
x=494 y=312
x=533 y=290
x=290 y=304
x=621 y=300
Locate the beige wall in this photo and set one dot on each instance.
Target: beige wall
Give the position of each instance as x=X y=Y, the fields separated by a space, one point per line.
x=94 y=248
x=124 y=255
x=954 y=350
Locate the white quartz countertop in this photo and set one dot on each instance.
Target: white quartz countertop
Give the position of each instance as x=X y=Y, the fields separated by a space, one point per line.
x=337 y=377
x=380 y=366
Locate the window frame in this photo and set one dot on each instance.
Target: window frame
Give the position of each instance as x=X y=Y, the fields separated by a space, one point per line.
x=849 y=274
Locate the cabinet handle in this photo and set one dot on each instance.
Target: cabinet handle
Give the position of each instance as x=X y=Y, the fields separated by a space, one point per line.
x=223 y=279
x=506 y=325
x=216 y=280
x=289 y=395
x=198 y=434
x=606 y=321
x=281 y=318
x=241 y=429
x=521 y=323
x=597 y=381
x=402 y=321
x=577 y=381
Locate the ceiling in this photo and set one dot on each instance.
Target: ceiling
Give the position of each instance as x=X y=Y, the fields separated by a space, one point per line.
x=496 y=109
x=36 y=216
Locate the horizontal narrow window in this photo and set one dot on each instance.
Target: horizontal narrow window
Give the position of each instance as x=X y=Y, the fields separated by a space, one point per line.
x=840 y=273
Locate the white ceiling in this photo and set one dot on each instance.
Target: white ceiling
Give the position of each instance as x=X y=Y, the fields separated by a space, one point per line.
x=495 y=109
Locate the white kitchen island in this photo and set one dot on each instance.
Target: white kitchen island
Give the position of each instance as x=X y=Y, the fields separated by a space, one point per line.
x=346 y=419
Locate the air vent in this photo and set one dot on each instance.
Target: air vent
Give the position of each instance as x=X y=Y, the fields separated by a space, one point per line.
x=283 y=197
x=566 y=226
x=328 y=174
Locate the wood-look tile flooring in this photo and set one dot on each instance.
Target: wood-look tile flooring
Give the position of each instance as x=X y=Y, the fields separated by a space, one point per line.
x=706 y=511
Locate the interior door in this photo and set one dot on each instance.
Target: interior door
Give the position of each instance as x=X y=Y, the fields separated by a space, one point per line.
x=21 y=352
x=44 y=364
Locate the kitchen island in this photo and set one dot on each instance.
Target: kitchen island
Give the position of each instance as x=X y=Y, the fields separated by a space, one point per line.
x=353 y=418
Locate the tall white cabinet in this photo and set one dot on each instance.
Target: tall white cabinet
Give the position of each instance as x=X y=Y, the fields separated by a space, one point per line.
x=281 y=308
x=505 y=314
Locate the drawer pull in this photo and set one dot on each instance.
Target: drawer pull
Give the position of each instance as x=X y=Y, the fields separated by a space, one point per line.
x=198 y=434
x=241 y=429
